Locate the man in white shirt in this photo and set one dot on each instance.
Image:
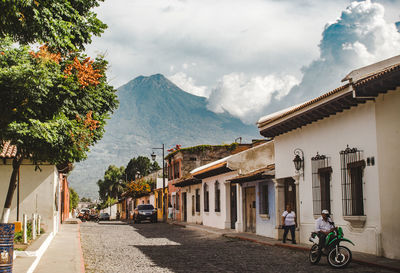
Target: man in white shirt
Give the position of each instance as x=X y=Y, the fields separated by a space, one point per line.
x=323 y=226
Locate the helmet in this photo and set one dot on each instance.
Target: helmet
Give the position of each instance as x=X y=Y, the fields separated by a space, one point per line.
x=325 y=211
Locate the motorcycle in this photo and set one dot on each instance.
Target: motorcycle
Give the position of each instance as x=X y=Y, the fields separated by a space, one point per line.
x=338 y=256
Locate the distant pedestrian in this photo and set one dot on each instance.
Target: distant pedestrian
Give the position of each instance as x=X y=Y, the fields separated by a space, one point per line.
x=170 y=211
x=289 y=223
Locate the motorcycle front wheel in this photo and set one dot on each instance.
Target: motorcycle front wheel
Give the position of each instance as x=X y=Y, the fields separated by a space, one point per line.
x=340 y=258
x=315 y=254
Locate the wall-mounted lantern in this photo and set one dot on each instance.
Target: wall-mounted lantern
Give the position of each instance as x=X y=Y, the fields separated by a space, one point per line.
x=299 y=160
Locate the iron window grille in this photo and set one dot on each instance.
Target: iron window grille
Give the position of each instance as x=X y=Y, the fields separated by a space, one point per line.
x=217 y=197
x=206 y=198
x=321 y=183
x=352 y=168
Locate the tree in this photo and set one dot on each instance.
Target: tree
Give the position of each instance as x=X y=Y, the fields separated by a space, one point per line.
x=140 y=165
x=54 y=106
x=113 y=183
x=73 y=199
x=64 y=25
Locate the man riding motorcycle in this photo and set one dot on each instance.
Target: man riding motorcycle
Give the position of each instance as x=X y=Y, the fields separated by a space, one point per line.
x=323 y=226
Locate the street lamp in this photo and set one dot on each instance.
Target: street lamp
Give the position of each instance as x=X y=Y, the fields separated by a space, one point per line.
x=299 y=161
x=153 y=157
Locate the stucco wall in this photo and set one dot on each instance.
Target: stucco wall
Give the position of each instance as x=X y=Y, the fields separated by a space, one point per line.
x=265 y=226
x=212 y=218
x=388 y=135
x=37 y=193
x=191 y=193
x=355 y=127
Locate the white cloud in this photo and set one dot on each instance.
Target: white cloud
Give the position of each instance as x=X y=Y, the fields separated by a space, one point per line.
x=188 y=84
x=360 y=36
x=245 y=97
x=255 y=37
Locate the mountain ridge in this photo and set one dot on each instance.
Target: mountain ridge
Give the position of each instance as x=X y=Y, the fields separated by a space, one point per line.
x=153 y=110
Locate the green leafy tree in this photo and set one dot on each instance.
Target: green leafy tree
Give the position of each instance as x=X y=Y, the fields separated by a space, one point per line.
x=64 y=25
x=73 y=199
x=113 y=183
x=141 y=165
x=54 y=107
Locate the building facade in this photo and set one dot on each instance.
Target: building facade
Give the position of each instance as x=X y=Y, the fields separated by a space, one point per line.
x=347 y=140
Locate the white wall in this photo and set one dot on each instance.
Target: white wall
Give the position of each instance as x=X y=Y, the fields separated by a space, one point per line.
x=355 y=127
x=112 y=211
x=388 y=134
x=212 y=218
x=197 y=218
x=37 y=193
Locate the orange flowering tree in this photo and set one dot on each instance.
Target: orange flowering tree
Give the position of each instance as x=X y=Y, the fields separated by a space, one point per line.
x=140 y=187
x=54 y=105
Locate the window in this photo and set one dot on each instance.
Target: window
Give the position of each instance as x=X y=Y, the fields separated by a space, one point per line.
x=197 y=200
x=264 y=208
x=206 y=198
x=176 y=170
x=321 y=183
x=217 y=197
x=352 y=166
x=192 y=204
x=170 y=172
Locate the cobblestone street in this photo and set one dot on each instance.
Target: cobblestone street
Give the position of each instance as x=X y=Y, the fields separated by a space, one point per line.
x=118 y=247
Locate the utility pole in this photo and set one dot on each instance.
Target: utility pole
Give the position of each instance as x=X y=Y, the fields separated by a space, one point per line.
x=153 y=156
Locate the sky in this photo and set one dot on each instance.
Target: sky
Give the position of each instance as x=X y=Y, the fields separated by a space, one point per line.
x=247 y=57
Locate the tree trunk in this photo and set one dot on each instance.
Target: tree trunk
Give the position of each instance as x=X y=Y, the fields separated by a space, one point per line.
x=17 y=161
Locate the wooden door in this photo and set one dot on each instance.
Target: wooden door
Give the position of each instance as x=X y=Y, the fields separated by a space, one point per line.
x=184 y=206
x=233 y=207
x=290 y=193
x=250 y=211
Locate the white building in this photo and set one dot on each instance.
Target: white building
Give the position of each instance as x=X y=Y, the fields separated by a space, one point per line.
x=256 y=196
x=39 y=190
x=349 y=143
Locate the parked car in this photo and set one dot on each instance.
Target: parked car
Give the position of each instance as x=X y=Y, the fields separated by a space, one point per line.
x=145 y=212
x=104 y=216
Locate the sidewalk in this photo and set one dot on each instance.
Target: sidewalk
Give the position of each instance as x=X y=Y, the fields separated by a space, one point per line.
x=64 y=254
x=358 y=257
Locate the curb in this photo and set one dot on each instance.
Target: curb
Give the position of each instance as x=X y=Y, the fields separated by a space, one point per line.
x=80 y=249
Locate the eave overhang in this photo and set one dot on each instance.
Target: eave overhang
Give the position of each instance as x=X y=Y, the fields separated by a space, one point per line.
x=333 y=102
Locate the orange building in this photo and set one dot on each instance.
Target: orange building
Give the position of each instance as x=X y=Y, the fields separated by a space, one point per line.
x=64 y=200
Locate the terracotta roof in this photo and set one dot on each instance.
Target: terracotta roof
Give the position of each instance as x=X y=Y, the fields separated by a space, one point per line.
x=263 y=121
x=8 y=151
x=375 y=76
x=213 y=167
x=364 y=84
x=257 y=174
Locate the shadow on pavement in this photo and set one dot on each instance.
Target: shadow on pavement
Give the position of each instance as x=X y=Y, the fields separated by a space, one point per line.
x=198 y=251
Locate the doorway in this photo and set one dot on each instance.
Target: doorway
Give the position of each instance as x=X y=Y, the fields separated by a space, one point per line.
x=184 y=206
x=250 y=211
x=233 y=207
x=290 y=193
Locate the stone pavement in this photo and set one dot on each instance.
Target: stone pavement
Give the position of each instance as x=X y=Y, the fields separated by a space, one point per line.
x=358 y=257
x=64 y=254
x=116 y=246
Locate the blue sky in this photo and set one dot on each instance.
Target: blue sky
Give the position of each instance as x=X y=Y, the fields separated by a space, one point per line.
x=248 y=57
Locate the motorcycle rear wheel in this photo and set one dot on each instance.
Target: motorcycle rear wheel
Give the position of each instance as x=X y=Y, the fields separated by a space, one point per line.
x=342 y=259
x=315 y=254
